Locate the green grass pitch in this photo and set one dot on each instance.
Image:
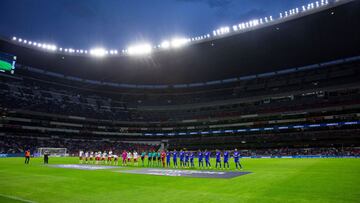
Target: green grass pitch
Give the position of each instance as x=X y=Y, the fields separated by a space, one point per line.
x=271 y=180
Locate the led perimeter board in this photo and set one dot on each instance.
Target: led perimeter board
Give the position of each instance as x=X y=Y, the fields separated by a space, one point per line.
x=7 y=63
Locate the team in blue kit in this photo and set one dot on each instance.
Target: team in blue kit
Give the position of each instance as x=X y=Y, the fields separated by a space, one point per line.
x=181 y=156
x=187 y=159
x=175 y=158
x=187 y=156
x=168 y=157
x=218 y=159
x=226 y=160
x=236 y=156
x=201 y=159
x=192 y=165
x=207 y=159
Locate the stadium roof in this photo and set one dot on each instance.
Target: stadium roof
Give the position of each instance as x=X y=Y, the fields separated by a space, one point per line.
x=322 y=36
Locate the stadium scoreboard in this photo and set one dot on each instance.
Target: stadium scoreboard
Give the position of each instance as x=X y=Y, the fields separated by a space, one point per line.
x=7 y=63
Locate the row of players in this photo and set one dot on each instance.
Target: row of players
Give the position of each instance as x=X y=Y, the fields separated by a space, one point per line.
x=162 y=158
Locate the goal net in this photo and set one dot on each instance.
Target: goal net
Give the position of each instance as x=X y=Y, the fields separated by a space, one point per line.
x=57 y=152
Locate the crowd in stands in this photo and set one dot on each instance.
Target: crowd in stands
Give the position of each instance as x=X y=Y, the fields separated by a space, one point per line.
x=70 y=103
x=331 y=151
x=13 y=144
x=20 y=144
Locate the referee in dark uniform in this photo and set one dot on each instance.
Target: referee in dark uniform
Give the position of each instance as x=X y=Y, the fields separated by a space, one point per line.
x=46 y=157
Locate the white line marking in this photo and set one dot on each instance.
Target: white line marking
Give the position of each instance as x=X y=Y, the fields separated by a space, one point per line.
x=17 y=198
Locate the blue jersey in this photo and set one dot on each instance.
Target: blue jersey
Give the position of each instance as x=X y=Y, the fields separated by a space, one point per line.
x=192 y=156
x=168 y=155
x=207 y=156
x=181 y=156
x=236 y=156
x=174 y=155
x=200 y=156
x=226 y=156
x=218 y=156
x=186 y=157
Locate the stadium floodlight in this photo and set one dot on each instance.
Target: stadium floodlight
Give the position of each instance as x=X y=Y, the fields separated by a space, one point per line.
x=98 y=52
x=14 y=38
x=165 y=44
x=25 y=41
x=140 y=49
x=178 y=42
x=20 y=40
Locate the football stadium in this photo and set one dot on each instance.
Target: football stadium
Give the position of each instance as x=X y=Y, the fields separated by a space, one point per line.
x=265 y=110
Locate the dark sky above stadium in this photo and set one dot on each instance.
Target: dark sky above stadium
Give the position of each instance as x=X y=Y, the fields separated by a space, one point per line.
x=118 y=23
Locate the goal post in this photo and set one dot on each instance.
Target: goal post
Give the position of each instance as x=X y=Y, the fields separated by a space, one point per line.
x=57 y=152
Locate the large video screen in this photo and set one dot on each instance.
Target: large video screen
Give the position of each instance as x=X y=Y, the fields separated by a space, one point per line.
x=7 y=63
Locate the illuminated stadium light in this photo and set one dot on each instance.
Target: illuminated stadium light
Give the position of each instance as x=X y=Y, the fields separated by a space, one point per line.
x=165 y=44
x=221 y=31
x=113 y=52
x=98 y=52
x=140 y=49
x=179 y=42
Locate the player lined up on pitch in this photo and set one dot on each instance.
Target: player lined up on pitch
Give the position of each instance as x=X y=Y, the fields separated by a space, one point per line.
x=166 y=159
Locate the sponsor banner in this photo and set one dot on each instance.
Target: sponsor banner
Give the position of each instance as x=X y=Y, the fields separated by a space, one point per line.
x=186 y=173
x=11 y=155
x=83 y=166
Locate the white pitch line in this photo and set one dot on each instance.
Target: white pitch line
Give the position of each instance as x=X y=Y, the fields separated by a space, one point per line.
x=17 y=198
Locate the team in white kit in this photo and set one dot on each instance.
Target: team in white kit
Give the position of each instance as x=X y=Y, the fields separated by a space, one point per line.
x=108 y=158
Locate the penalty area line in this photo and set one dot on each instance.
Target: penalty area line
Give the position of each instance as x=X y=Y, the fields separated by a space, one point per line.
x=17 y=198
